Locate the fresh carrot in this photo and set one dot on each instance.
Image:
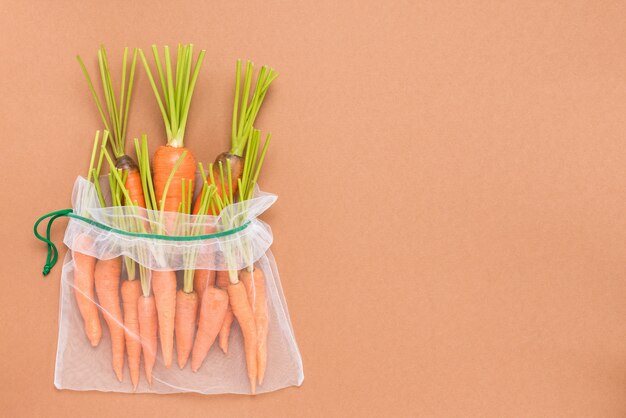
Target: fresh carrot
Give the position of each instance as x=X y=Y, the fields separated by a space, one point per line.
x=164 y=288
x=147 y=314
x=131 y=288
x=245 y=111
x=164 y=159
x=174 y=103
x=186 y=312
x=222 y=283
x=146 y=305
x=107 y=279
x=85 y=265
x=84 y=268
x=139 y=306
x=202 y=280
x=214 y=301
x=221 y=277
x=212 y=311
x=131 y=292
x=238 y=299
x=254 y=281
x=163 y=282
x=115 y=120
x=237 y=295
x=186 y=298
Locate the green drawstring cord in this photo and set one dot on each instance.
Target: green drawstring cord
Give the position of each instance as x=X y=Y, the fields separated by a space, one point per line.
x=53 y=253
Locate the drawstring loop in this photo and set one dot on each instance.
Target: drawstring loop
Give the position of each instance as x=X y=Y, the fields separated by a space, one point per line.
x=53 y=253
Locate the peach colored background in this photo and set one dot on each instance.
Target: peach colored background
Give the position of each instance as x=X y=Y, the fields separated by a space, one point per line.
x=450 y=229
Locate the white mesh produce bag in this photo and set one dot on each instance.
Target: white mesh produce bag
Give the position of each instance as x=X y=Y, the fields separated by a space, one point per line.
x=231 y=241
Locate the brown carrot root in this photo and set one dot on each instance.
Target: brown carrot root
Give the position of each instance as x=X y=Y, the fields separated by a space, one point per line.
x=107 y=279
x=212 y=311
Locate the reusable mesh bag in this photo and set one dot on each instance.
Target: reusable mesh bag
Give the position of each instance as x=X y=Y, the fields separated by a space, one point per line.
x=232 y=241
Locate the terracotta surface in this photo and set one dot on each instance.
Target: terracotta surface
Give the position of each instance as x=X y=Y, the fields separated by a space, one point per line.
x=450 y=229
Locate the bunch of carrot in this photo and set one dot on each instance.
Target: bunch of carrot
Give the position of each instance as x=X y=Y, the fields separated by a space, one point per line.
x=153 y=308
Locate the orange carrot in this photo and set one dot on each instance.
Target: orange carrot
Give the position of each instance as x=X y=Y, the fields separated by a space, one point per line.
x=186 y=311
x=255 y=285
x=225 y=330
x=147 y=314
x=173 y=167
x=131 y=291
x=212 y=311
x=202 y=280
x=146 y=305
x=221 y=279
x=164 y=160
x=85 y=265
x=238 y=298
x=174 y=102
x=107 y=280
x=133 y=181
x=84 y=268
x=164 y=288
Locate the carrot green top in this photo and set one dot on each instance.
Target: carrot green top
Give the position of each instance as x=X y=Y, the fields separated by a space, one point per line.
x=245 y=114
x=116 y=117
x=177 y=85
x=252 y=164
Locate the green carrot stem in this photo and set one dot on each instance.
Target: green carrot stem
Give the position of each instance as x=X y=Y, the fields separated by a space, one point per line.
x=166 y=120
x=116 y=117
x=246 y=105
x=174 y=99
x=93 y=155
